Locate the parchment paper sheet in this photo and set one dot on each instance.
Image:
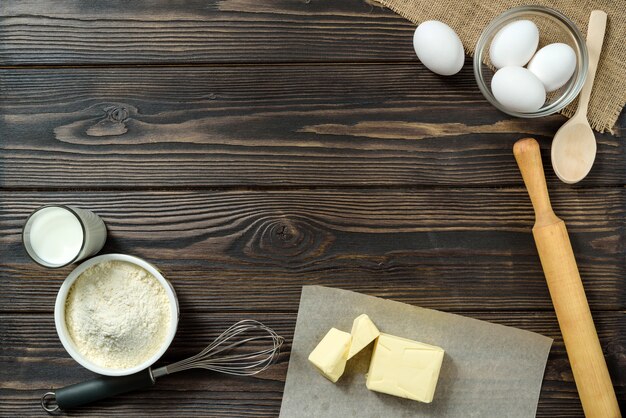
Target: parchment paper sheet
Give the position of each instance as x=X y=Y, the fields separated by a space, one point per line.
x=489 y=370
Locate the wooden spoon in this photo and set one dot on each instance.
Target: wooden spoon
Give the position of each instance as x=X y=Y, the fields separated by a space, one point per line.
x=574 y=145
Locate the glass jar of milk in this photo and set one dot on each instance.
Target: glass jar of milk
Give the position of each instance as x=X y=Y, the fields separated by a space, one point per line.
x=57 y=235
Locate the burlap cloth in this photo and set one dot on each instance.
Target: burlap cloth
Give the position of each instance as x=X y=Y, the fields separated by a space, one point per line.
x=469 y=17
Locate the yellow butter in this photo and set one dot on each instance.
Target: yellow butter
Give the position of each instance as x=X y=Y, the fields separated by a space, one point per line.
x=363 y=332
x=404 y=368
x=331 y=354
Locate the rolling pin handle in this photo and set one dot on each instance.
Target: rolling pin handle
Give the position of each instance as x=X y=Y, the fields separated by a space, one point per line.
x=528 y=157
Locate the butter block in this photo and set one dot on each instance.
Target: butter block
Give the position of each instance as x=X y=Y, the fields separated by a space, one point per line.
x=363 y=332
x=404 y=368
x=331 y=354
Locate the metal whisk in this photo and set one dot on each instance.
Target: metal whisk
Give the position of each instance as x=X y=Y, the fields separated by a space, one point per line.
x=216 y=357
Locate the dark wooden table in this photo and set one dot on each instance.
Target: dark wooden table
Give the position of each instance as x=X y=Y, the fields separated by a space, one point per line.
x=251 y=147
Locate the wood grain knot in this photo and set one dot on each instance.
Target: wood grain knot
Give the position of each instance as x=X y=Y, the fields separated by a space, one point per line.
x=113 y=123
x=288 y=239
x=102 y=123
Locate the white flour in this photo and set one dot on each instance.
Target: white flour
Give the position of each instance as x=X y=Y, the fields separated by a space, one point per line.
x=117 y=314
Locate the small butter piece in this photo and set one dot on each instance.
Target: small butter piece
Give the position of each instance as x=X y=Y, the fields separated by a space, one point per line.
x=404 y=368
x=331 y=354
x=363 y=332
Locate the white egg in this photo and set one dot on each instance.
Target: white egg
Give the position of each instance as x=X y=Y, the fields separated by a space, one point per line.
x=517 y=89
x=438 y=47
x=514 y=44
x=554 y=65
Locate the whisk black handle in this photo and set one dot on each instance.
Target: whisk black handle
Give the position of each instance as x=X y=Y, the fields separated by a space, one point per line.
x=101 y=388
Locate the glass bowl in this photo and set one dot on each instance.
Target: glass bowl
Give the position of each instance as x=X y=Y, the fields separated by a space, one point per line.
x=553 y=27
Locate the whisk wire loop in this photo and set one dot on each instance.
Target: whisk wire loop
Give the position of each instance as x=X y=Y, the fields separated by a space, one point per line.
x=238 y=364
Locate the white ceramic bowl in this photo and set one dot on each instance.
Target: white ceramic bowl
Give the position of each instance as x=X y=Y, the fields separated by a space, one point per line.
x=66 y=340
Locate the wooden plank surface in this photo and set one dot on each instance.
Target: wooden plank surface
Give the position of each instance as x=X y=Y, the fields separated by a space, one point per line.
x=270 y=125
x=33 y=353
x=247 y=250
x=251 y=147
x=36 y=32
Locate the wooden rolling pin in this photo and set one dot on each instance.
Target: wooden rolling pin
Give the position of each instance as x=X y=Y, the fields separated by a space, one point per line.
x=566 y=289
